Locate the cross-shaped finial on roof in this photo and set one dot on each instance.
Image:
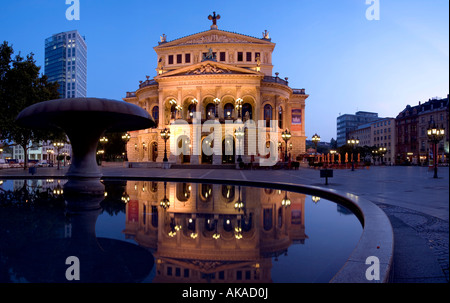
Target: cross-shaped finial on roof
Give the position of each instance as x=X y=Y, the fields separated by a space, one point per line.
x=214 y=19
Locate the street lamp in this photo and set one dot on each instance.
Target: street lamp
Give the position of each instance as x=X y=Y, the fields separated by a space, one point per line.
x=353 y=142
x=239 y=133
x=216 y=102
x=126 y=137
x=165 y=134
x=381 y=152
x=315 y=139
x=58 y=146
x=239 y=106
x=374 y=155
x=435 y=135
x=286 y=135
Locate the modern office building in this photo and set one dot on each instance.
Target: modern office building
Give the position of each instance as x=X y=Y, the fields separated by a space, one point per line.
x=66 y=63
x=217 y=76
x=347 y=123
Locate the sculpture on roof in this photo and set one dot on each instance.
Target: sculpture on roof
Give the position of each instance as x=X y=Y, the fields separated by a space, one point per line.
x=214 y=19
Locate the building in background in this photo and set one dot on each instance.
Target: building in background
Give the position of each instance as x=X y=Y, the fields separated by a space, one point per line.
x=45 y=152
x=376 y=134
x=411 y=127
x=347 y=123
x=194 y=72
x=66 y=63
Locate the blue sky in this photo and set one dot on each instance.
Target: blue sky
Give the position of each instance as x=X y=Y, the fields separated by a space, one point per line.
x=345 y=62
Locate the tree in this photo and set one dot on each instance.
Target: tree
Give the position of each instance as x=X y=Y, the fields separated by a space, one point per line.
x=22 y=86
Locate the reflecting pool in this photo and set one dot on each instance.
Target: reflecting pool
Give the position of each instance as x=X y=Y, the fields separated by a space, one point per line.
x=152 y=231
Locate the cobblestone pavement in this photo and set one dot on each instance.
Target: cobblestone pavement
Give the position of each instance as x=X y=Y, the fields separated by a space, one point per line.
x=433 y=230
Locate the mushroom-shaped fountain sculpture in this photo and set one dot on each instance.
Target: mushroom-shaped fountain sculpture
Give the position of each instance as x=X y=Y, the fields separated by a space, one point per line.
x=84 y=120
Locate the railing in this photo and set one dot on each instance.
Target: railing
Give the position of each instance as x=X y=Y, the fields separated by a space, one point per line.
x=298 y=91
x=275 y=80
x=131 y=94
x=147 y=83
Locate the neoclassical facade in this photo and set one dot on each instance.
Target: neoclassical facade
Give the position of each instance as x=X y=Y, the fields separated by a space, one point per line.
x=224 y=78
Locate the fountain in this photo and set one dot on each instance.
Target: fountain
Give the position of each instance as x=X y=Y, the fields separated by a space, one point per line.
x=84 y=120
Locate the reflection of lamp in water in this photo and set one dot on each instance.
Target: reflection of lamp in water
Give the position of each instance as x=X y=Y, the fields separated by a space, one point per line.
x=165 y=203
x=216 y=234
x=173 y=230
x=191 y=226
x=58 y=190
x=315 y=199
x=286 y=201
x=239 y=203
x=125 y=198
x=238 y=230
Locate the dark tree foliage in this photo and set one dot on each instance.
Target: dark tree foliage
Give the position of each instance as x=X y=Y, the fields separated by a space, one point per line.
x=21 y=85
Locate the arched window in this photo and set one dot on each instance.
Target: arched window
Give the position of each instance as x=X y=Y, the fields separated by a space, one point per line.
x=210 y=111
x=228 y=192
x=267 y=114
x=173 y=111
x=228 y=110
x=280 y=117
x=191 y=110
x=247 y=111
x=155 y=114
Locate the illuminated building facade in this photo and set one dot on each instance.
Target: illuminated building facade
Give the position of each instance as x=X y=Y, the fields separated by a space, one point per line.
x=216 y=75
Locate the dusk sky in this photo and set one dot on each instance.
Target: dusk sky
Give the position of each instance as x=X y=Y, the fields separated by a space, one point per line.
x=345 y=62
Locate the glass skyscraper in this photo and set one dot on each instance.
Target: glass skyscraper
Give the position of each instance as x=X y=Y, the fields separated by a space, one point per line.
x=66 y=63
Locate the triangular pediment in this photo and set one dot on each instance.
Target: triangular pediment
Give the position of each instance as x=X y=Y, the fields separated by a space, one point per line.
x=213 y=36
x=208 y=67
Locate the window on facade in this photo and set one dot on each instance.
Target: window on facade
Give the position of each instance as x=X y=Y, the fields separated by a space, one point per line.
x=240 y=56
x=248 y=56
x=155 y=113
x=170 y=59
x=247 y=108
x=187 y=58
x=222 y=56
x=179 y=58
x=228 y=111
x=280 y=117
x=210 y=110
x=267 y=114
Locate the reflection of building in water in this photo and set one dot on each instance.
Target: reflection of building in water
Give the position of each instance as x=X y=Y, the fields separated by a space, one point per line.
x=209 y=232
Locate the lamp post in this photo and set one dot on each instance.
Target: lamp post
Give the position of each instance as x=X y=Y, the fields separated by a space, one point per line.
x=315 y=139
x=353 y=142
x=165 y=134
x=286 y=135
x=239 y=133
x=126 y=137
x=435 y=134
x=374 y=155
x=239 y=106
x=381 y=152
x=216 y=102
x=58 y=146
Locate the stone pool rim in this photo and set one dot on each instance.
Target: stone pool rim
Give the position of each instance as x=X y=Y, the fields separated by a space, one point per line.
x=377 y=238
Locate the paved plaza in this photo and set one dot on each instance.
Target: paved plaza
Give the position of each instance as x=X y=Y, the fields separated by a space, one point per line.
x=416 y=204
